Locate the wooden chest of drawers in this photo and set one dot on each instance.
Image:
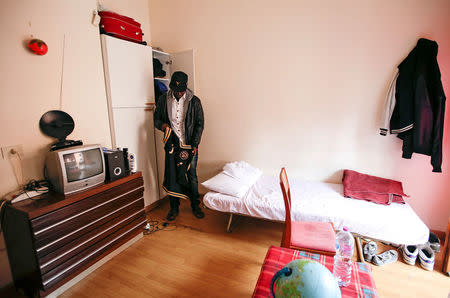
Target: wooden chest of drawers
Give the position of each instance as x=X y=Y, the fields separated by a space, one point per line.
x=52 y=239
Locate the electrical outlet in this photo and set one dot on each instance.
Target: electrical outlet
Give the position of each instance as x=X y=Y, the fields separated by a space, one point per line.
x=9 y=151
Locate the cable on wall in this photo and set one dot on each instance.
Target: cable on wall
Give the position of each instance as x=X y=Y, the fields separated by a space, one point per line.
x=16 y=162
x=62 y=72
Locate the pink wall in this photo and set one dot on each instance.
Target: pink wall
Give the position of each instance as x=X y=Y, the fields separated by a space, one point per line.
x=302 y=83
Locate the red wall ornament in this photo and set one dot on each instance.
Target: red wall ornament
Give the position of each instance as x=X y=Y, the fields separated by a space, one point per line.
x=37 y=46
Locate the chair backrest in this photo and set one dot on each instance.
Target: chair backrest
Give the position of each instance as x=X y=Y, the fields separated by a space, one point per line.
x=285 y=189
x=284 y=183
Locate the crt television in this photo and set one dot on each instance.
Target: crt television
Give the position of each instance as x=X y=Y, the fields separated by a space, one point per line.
x=75 y=168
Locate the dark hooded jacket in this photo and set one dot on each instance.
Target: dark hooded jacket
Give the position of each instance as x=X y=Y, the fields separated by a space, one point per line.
x=193 y=122
x=420 y=103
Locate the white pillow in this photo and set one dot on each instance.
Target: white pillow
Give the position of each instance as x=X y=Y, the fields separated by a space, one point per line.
x=243 y=171
x=227 y=185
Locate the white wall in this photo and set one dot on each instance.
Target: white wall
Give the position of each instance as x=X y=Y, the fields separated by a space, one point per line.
x=30 y=84
x=302 y=84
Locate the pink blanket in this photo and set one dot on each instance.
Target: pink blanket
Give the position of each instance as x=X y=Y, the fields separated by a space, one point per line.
x=371 y=188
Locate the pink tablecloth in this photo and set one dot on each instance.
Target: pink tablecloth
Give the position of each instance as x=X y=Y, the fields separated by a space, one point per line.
x=361 y=284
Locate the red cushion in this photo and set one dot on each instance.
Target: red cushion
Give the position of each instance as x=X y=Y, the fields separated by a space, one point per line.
x=371 y=188
x=313 y=235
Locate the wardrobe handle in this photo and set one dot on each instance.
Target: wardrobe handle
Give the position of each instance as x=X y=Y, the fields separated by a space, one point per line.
x=150 y=106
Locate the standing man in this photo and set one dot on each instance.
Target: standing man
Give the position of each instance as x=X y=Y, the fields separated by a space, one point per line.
x=179 y=111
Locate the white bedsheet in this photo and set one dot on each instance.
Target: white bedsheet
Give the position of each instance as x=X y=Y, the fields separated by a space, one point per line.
x=318 y=201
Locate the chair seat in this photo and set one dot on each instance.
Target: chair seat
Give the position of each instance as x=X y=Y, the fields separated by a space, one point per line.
x=317 y=236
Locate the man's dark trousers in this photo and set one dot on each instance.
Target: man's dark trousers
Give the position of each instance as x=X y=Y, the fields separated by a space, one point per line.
x=193 y=187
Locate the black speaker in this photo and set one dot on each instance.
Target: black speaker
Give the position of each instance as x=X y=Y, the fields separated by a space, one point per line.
x=115 y=165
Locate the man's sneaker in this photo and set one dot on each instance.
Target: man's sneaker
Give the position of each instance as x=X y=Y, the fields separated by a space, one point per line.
x=389 y=256
x=410 y=253
x=434 y=242
x=426 y=257
x=370 y=250
x=173 y=213
x=198 y=212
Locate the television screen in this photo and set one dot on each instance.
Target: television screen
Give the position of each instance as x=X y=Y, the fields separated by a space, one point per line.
x=83 y=164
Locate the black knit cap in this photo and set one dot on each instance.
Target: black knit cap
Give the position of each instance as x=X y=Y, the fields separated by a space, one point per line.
x=178 y=82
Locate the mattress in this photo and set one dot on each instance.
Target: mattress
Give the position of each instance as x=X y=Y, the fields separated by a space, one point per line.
x=318 y=201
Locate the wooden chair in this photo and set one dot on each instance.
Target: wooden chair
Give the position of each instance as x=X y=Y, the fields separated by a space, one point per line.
x=316 y=237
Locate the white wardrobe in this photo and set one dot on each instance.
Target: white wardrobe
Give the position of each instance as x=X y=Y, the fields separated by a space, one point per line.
x=128 y=69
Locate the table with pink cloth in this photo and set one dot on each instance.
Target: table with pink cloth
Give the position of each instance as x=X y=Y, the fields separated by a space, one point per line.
x=361 y=284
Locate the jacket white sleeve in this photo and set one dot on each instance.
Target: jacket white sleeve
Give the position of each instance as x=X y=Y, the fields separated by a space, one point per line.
x=389 y=106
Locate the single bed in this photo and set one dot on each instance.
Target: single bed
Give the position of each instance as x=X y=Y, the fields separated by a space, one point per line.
x=318 y=201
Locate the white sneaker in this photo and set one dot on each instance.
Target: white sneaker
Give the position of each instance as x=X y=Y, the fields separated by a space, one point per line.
x=410 y=253
x=426 y=257
x=389 y=256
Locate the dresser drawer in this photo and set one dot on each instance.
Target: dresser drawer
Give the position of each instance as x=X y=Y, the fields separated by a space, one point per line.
x=47 y=221
x=68 y=251
x=104 y=223
x=85 y=258
x=69 y=228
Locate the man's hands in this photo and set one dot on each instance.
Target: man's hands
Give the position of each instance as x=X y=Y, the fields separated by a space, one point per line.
x=165 y=126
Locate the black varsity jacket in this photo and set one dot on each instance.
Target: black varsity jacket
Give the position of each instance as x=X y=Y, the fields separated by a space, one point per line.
x=420 y=103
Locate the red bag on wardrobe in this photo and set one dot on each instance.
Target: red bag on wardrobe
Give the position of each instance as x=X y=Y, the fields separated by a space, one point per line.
x=120 y=26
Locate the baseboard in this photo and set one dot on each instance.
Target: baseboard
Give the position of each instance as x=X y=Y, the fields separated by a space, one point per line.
x=153 y=205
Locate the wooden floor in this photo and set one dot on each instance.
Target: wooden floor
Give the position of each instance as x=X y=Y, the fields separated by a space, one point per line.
x=197 y=258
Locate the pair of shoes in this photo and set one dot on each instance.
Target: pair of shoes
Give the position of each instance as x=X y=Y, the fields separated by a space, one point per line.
x=434 y=242
x=370 y=250
x=424 y=252
x=173 y=213
x=198 y=212
x=389 y=256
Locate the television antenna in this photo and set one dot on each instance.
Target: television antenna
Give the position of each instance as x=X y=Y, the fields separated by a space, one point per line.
x=58 y=124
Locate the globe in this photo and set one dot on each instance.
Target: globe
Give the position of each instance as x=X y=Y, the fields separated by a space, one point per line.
x=304 y=278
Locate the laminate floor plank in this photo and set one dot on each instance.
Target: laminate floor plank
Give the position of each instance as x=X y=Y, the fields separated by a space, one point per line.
x=198 y=258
